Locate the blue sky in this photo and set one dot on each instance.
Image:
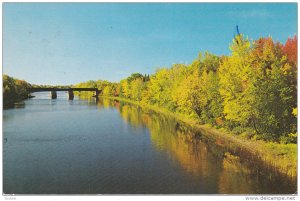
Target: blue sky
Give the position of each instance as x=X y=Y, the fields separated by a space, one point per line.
x=67 y=43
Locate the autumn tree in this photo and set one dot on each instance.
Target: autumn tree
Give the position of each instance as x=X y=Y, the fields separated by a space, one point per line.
x=290 y=50
x=14 y=89
x=236 y=86
x=274 y=91
x=254 y=89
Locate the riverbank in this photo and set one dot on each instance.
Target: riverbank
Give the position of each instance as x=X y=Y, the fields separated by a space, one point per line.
x=14 y=90
x=282 y=157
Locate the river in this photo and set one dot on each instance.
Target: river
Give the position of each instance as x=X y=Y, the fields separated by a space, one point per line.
x=111 y=147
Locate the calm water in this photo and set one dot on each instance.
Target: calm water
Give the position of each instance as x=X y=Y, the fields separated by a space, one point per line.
x=109 y=147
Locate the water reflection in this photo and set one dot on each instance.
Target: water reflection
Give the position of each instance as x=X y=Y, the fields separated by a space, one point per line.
x=232 y=169
x=89 y=146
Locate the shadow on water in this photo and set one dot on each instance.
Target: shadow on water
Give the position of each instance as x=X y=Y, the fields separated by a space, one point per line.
x=237 y=170
x=17 y=105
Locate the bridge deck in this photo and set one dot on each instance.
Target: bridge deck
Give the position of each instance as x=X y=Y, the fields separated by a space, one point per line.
x=62 y=89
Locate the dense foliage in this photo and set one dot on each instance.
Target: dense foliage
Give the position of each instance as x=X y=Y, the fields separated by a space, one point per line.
x=14 y=89
x=252 y=92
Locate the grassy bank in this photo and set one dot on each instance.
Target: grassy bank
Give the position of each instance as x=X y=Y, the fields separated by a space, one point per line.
x=282 y=157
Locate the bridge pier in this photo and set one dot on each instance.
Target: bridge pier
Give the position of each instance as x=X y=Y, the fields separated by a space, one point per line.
x=96 y=94
x=53 y=95
x=71 y=95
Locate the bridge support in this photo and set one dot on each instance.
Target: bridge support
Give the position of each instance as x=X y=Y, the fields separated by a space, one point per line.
x=53 y=94
x=96 y=94
x=71 y=95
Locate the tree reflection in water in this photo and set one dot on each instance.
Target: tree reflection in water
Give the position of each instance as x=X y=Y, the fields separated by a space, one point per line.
x=236 y=170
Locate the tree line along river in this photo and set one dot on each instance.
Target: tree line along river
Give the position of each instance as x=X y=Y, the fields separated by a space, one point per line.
x=111 y=147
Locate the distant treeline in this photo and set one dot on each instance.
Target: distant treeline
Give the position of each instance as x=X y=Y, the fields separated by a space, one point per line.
x=252 y=92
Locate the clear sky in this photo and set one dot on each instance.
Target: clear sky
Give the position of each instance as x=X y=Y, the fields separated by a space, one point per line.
x=67 y=43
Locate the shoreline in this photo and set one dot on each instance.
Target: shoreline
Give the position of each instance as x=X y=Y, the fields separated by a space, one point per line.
x=278 y=156
x=11 y=103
